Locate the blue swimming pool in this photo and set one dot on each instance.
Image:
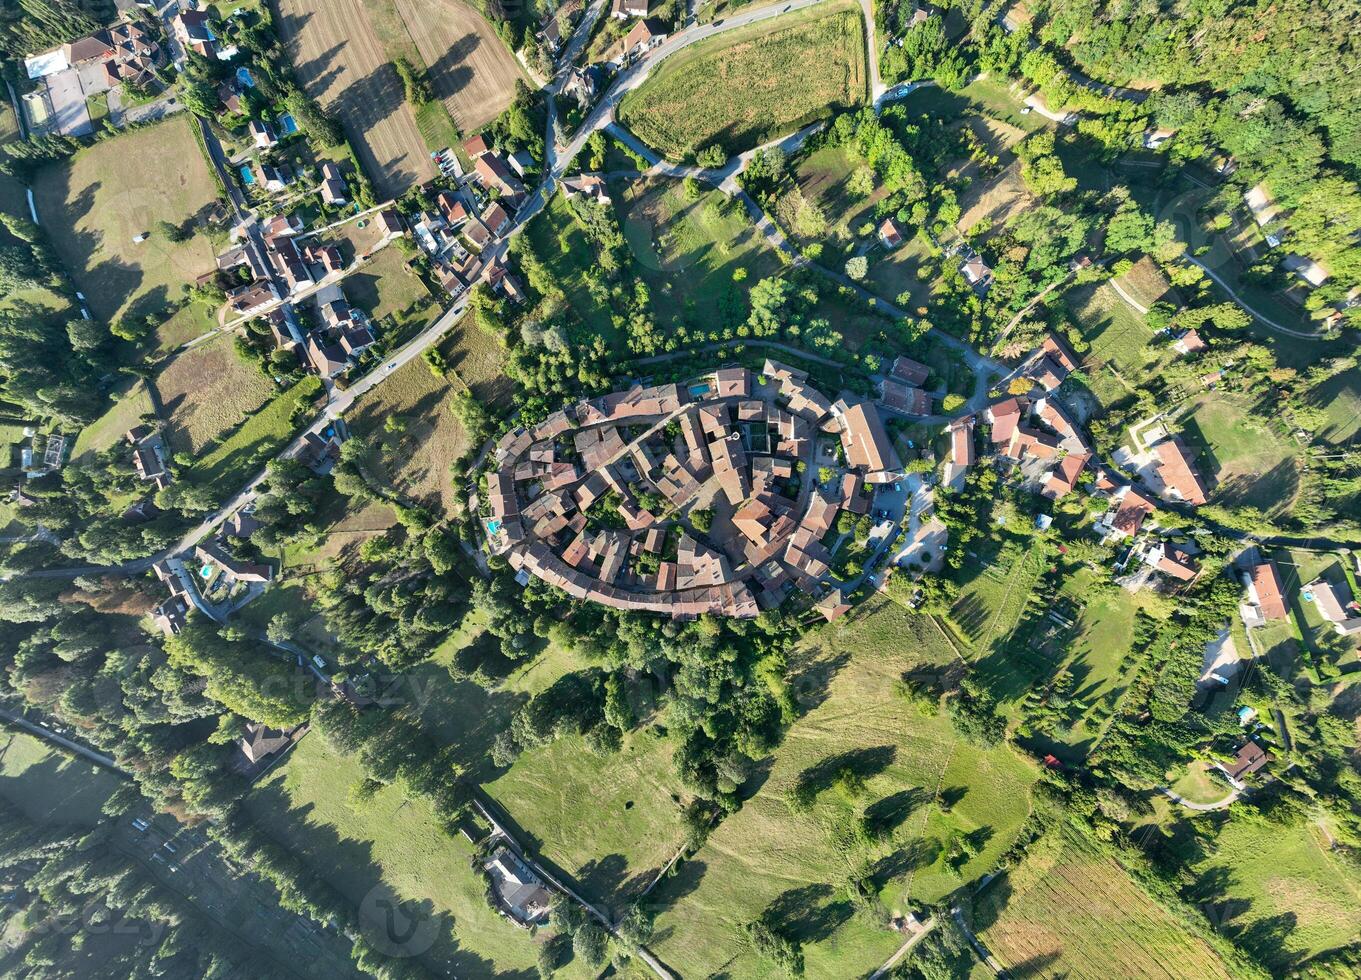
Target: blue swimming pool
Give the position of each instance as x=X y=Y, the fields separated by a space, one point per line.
x=247 y=174
x=288 y=124
x=698 y=391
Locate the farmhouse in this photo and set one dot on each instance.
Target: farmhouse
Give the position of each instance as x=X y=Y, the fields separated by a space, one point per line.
x=890 y=236
x=518 y=890
x=645 y=36
x=258 y=742
x=1131 y=510
x=1063 y=478
x=233 y=569
x=909 y=372
x=171 y=615
x=1189 y=343
x=624 y=9
x=332 y=184
x=865 y=442
x=976 y=273
x=1249 y=758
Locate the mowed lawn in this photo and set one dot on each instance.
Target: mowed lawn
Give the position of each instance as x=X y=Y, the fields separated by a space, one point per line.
x=1282 y=891
x=389 y=847
x=50 y=787
x=792 y=866
x=753 y=85
x=129 y=405
x=1248 y=462
x=609 y=821
x=207 y=391
x=1069 y=911
x=96 y=203
x=688 y=251
x=408 y=422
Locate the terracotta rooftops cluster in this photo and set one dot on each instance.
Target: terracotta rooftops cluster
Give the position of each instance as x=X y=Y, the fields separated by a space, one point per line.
x=597 y=498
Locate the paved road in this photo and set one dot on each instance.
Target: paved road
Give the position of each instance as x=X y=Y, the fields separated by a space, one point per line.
x=1244 y=303
x=98 y=758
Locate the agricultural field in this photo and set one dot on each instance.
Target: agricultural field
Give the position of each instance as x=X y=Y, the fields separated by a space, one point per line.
x=407 y=421
x=751 y=85
x=1280 y=892
x=471 y=70
x=50 y=787
x=1068 y=910
x=688 y=251
x=995 y=200
x=108 y=430
x=1249 y=463
x=343 y=65
x=792 y=865
x=390 y=847
x=1145 y=284
x=206 y=392
x=96 y=203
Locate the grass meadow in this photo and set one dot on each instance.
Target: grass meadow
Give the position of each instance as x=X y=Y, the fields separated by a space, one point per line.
x=390 y=846
x=1248 y=462
x=1069 y=911
x=1123 y=353
x=397 y=300
x=407 y=418
x=50 y=787
x=688 y=251
x=207 y=391
x=767 y=858
x=228 y=463
x=752 y=85
x=128 y=407
x=96 y=203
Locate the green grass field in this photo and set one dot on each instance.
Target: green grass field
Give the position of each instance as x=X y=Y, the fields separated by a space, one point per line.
x=396 y=299
x=1283 y=895
x=127 y=410
x=1198 y=784
x=557 y=240
x=49 y=786
x=688 y=251
x=1098 y=656
x=609 y=821
x=95 y=204
x=1250 y=463
x=1340 y=399
x=190 y=321
x=389 y=846
x=751 y=85
x=766 y=857
x=229 y=463
x=1069 y=911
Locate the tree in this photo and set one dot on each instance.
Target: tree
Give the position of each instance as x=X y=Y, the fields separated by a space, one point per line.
x=952 y=403
x=857 y=267
x=861 y=183
x=589 y=942
x=711 y=156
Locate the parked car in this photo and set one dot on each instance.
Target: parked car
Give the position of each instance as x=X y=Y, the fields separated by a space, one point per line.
x=140 y=824
x=170 y=847
x=318 y=662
